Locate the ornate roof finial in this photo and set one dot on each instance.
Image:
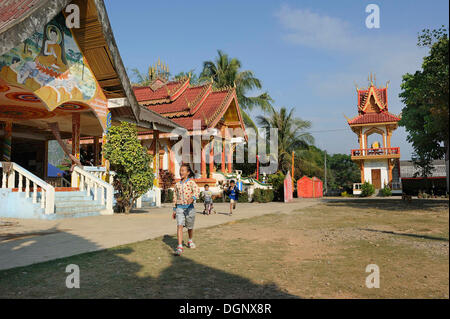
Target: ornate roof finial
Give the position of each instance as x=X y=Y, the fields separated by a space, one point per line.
x=387 y=83
x=348 y=119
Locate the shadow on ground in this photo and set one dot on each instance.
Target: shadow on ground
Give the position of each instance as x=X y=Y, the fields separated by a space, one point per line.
x=121 y=272
x=406 y=234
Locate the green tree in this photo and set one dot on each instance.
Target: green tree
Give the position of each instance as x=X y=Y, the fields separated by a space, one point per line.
x=309 y=162
x=426 y=96
x=344 y=171
x=226 y=71
x=292 y=134
x=194 y=78
x=131 y=163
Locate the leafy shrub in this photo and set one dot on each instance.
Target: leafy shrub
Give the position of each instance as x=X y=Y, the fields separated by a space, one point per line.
x=345 y=194
x=386 y=191
x=263 y=195
x=277 y=182
x=243 y=197
x=131 y=163
x=367 y=189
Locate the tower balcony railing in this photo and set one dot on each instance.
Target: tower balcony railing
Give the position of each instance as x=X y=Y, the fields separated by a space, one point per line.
x=390 y=152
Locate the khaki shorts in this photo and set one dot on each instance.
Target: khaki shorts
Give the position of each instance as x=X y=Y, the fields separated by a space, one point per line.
x=185 y=217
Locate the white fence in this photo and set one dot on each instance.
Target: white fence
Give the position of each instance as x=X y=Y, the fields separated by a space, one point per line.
x=29 y=184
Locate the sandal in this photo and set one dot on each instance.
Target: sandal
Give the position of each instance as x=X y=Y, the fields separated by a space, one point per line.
x=179 y=250
x=191 y=244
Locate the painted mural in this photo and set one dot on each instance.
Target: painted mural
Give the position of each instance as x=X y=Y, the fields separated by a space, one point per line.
x=51 y=66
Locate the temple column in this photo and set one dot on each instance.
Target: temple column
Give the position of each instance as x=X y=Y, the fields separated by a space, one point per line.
x=362 y=171
x=171 y=158
x=389 y=134
x=7 y=142
x=96 y=151
x=76 y=135
x=230 y=159
x=156 y=153
x=361 y=142
x=203 y=162
x=223 y=156
x=211 y=158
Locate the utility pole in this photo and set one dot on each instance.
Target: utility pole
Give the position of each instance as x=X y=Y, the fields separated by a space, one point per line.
x=325 y=183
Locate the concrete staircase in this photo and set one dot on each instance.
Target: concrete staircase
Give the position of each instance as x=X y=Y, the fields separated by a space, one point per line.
x=25 y=195
x=75 y=204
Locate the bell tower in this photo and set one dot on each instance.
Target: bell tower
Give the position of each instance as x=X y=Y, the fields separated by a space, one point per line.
x=378 y=160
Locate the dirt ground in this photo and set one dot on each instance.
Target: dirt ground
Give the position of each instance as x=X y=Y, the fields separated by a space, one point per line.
x=316 y=252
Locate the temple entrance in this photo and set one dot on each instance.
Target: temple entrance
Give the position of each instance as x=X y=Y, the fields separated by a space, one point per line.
x=30 y=154
x=376 y=178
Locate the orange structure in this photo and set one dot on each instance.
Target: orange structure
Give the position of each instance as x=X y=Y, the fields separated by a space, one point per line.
x=309 y=187
x=378 y=161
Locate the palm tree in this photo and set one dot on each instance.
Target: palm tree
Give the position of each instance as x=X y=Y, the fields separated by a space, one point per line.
x=292 y=134
x=226 y=71
x=142 y=78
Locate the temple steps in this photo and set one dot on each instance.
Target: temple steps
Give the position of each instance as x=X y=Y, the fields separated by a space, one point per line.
x=70 y=204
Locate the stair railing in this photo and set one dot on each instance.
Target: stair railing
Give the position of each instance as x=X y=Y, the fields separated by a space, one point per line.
x=32 y=184
x=88 y=182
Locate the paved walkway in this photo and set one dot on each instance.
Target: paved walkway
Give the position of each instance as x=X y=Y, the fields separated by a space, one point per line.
x=24 y=242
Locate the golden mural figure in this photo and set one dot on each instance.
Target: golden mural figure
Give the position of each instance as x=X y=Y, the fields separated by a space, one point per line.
x=52 y=58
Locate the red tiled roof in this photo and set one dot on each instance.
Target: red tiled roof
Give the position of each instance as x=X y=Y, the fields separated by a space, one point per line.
x=369 y=118
x=208 y=113
x=381 y=94
x=185 y=102
x=14 y=10
x=166 y=91
x=191 y=103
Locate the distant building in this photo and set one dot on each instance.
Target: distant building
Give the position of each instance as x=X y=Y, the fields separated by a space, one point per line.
x=413 y=181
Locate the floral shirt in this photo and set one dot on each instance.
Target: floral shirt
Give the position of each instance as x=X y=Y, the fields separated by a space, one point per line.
x=184 y=192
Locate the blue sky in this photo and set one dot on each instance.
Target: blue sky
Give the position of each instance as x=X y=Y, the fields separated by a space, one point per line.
x=308 y=54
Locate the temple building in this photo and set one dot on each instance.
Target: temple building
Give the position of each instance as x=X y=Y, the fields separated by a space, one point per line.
x=377 y=158
x=201 y=110
x=60 y=80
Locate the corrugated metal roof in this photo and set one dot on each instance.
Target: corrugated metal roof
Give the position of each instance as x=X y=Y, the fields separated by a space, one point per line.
x=408 y=169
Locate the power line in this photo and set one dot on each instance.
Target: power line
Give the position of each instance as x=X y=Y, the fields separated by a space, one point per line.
x=335 y=130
